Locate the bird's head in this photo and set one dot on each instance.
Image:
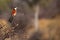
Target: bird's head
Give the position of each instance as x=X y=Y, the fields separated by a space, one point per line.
x=15 y=8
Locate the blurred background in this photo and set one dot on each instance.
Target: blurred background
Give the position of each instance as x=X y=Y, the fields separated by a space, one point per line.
x=22 y=26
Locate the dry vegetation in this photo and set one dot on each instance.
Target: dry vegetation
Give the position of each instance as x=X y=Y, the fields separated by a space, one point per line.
x=48 y=30
x=22 y=26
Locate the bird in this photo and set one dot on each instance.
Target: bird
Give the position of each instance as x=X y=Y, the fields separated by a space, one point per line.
x=13 y=14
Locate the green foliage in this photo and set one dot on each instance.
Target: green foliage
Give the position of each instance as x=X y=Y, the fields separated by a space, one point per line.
x=4 y=4
x=45 y=3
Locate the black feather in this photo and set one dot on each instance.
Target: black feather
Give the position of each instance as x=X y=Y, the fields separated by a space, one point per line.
x=11 y=19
